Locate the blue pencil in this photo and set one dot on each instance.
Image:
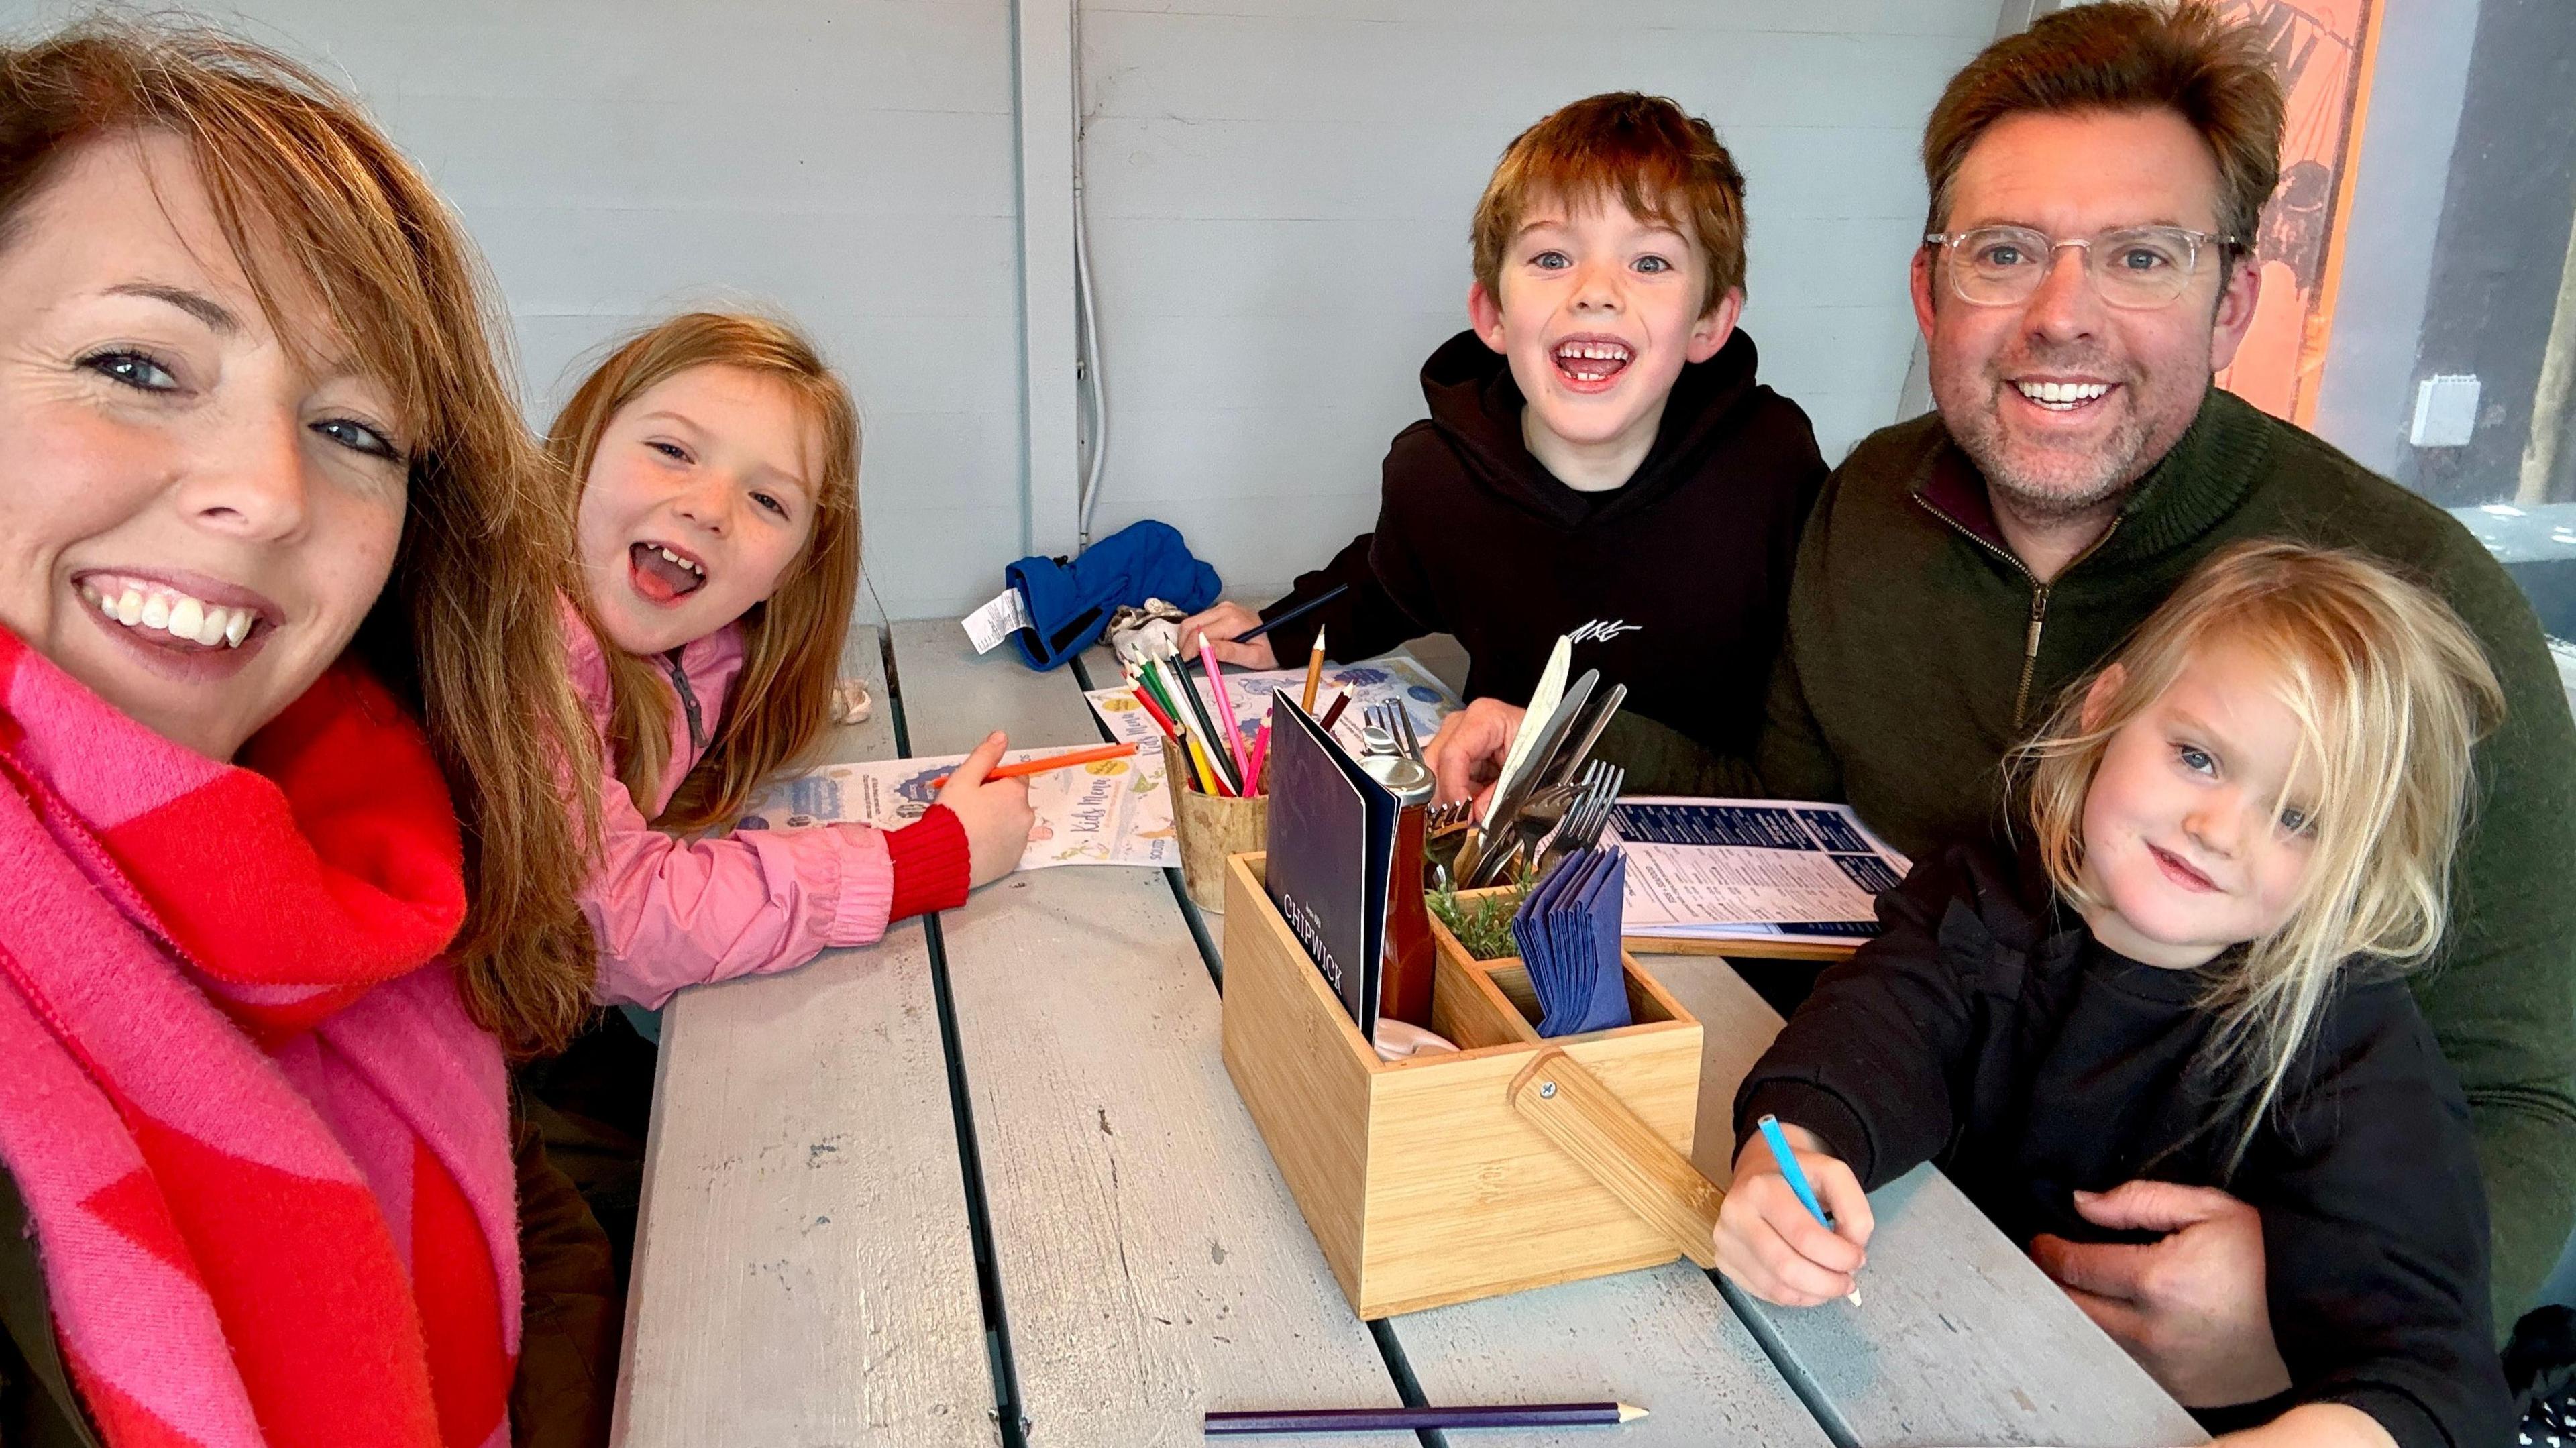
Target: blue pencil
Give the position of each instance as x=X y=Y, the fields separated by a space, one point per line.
x=1797 y=1178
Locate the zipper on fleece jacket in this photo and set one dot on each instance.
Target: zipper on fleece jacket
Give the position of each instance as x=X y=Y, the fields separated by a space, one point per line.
x=2038 y=595
x=688 y=705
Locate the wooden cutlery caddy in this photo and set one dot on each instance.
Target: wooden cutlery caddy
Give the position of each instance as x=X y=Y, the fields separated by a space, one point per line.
x=1511 y=1163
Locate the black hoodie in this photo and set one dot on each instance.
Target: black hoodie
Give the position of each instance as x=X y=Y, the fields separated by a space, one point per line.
x=1677 y=580
x=1986 y=1030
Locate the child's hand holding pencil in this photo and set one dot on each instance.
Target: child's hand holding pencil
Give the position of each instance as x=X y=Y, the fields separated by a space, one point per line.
x=1798 y=1249
x=992 y=808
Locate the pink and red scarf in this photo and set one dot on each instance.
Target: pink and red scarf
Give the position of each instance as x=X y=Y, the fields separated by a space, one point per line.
x=265 y=1151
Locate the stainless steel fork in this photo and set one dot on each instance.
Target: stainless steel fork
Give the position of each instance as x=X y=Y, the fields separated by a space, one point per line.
x=1445 y=819
x=1404 y=734
x=1397 y=725
x=1585 y=819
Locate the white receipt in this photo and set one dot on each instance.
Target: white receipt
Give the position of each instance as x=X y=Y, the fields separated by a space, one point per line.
x=986 y=627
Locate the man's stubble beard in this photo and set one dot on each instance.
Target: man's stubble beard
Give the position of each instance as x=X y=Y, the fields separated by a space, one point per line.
x=2050 y=485
x=2059 y=486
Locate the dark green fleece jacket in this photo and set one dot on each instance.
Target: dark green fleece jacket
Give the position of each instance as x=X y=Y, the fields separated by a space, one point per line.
x=1919 y=651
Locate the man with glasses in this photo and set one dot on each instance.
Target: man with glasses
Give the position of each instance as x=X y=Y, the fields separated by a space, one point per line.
x=2095 y=183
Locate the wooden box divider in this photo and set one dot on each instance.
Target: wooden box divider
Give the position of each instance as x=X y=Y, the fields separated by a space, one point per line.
x=1511 y=1163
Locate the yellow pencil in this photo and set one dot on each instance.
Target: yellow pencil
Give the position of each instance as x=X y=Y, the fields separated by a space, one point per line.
x=1198 y=762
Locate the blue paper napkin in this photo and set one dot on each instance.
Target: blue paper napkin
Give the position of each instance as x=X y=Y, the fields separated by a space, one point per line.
x=1568 y=934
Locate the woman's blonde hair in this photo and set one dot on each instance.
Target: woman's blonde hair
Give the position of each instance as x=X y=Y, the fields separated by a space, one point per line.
x=791 y=640
x=2391 y=693
x=311 y=197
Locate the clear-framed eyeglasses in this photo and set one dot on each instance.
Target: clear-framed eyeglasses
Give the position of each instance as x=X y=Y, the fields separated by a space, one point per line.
x=2136 y=266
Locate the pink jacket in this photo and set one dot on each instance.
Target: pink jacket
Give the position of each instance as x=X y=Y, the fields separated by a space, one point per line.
x=669 y=912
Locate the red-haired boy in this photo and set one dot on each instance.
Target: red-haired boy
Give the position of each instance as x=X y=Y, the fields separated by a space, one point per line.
x=1599 y=459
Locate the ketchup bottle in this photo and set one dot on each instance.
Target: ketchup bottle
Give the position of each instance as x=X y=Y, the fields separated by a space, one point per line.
x=1404 y=987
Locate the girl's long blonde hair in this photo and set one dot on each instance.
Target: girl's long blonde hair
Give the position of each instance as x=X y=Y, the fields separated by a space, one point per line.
x=791 y=640
x=2391 y=693
x=312 y=197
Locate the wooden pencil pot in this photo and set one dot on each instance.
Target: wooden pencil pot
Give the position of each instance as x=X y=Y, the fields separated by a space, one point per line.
x=1514 y=1162
x=1211 y=827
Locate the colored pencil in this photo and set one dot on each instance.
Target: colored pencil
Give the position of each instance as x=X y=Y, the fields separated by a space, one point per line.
x=1383 y=1420
x=1291 y=616
x=1194 y=730
x=1145 y=699
x=1224 y=707
x=1045 y=762
x=1153 y=682
x=1314 y=674
x=1341 y=701
x=1149 y=692
x=1210 y=782
x=1178 y=683
x=1260 y=756
x=1773 y=1138
x=1155 y=712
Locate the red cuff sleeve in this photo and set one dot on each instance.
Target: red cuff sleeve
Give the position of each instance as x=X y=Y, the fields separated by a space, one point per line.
x=931 y=871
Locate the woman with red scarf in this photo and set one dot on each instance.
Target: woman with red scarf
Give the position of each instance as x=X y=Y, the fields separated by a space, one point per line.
x=276 y=614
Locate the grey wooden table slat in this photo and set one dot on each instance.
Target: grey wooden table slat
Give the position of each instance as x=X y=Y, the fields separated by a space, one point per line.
x=803 y=1270
x=1153 y=1266
x=1662 y=1339
x=1959 y=1337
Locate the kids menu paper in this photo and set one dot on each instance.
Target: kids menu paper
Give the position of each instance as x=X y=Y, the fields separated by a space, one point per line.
x=1109 y=812
x=1332 y=837
x=1749 y=869
x=1394 y=679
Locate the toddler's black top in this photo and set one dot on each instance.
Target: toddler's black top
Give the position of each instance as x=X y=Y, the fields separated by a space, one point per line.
x=1987 y=1031
x=1681 y=573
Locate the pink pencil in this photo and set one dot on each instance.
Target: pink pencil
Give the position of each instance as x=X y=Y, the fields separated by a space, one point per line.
x=1260 y=752
x=1224 y=710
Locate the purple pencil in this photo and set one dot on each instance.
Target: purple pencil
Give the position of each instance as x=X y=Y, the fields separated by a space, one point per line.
x=1379 y=1420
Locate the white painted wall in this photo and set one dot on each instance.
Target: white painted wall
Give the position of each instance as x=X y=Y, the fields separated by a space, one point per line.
x=1279 y=195
x=847 y=162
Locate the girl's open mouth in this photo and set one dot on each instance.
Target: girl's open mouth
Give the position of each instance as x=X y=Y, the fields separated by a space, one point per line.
x=664 y=574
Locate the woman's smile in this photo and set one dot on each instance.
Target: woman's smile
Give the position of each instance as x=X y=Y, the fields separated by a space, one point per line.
x=167 y=445
x=182 y=626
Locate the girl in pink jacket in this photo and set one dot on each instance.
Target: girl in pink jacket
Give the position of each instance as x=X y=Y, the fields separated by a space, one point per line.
x=718 y=536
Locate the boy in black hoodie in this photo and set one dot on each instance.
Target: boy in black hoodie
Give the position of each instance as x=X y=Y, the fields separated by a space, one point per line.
x=1599 y=460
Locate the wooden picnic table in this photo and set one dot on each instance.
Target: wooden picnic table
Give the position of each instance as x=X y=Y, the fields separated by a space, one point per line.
x=804 y=1270
x=1143 y=1262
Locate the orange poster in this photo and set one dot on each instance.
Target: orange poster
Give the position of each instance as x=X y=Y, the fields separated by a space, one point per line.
x=2322 y=50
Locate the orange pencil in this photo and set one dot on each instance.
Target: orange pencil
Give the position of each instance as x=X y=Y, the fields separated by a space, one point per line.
x=1044 y=763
